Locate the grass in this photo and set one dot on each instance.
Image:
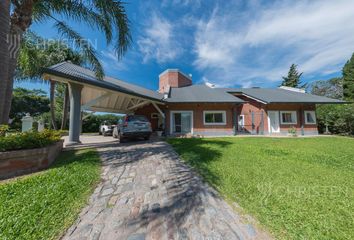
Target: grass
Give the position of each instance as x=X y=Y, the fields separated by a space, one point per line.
x=45 y=204
x=298 y=188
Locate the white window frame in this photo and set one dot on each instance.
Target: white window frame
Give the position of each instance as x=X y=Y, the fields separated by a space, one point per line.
x=211 y=111
x=313 y=113
x=171 y=120
x=286 y=123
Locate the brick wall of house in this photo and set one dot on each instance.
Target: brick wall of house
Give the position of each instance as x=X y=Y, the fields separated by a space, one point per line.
x=257 y=107
x=246 y=109
x=198 y=123
x=258 y=110
x=173 y=78
x=147 y=111
x=310 y=129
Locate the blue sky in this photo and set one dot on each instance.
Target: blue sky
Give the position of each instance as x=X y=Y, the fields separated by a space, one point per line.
x=227 y=43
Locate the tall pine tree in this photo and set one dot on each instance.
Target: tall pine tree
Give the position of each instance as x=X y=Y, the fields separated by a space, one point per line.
x=348 y=80
x=293 y=78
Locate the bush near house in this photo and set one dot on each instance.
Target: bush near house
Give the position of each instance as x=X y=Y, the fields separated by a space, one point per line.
x=28 y=140
x=45 y=204
x=299 y=188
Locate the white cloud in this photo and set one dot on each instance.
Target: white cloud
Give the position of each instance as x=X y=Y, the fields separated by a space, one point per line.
x=260 y=43
x=159 y=41
x=110 y=61
x=181 y=3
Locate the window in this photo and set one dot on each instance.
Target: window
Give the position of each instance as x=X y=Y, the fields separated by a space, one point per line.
x=214 y=117
x=241 y=123
x=288 y=117
x=241 y=120
x=154 y=115
x=310 y=117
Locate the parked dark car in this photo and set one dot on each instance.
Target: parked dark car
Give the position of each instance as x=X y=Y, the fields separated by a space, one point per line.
x=133 y=126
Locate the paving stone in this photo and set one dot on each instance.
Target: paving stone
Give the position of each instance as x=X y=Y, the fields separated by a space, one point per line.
x=155 y=207
x=148 y=193
x=113 y=200
x=139 y=236
x=107 y=191
x=114 y=180
x=123 y=201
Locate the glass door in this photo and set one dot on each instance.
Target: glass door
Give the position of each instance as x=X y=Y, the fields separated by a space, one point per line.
x=182 y=122
x=186 y=122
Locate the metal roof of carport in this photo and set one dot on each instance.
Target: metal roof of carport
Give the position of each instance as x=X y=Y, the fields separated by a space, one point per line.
x=106 y=95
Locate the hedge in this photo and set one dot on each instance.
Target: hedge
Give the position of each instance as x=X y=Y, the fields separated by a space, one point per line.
x=28 y=140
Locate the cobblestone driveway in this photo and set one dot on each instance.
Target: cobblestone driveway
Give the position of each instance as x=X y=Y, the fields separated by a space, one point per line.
x=148 y=193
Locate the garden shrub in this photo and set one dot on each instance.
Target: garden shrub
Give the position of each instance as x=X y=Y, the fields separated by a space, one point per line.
x=3 y=130
x=28 y=140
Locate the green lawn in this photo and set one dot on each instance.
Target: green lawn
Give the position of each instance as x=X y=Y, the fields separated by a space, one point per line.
x=45 y=204
x=298 y=188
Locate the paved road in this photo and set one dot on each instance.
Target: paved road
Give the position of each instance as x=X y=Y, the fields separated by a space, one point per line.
x=148 y=193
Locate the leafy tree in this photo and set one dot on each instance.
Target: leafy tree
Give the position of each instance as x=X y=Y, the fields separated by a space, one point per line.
x=338 y=119
x=107 y=16
x=348 y=79
x=293 y=78
x=332 y=88
x=35 y=102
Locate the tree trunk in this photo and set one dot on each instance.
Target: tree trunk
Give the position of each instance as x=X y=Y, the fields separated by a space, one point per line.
x=10 y=81
x=52 y=104
x=65 y=108
x=19 y=21
x=4 y=56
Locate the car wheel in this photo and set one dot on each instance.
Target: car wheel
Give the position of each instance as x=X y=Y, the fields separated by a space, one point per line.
x=104 y=133
x=121 y=138
x=99 y=133
x=146 y=137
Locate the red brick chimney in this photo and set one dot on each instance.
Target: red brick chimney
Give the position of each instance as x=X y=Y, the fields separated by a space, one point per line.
x=173 y=78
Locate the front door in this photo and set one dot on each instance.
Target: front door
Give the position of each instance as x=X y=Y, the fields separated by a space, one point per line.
x=181 y=122
x=273 y=119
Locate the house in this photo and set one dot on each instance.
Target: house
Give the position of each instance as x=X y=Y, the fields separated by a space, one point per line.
x=209 y=111
x=181 y=107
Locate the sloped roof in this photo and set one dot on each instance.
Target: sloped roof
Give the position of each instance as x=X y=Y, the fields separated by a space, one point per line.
x=278 y=95
x=189 y=94
x=84 y=75
x=200 y=94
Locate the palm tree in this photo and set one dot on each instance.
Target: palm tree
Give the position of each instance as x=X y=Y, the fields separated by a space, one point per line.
x=16 y=16
x=36 y=53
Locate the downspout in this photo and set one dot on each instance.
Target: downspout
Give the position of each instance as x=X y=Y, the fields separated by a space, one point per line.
x=235 y=117
x=302 y=120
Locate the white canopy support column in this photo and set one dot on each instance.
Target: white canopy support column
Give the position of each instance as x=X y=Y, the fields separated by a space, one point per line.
x=75 y=113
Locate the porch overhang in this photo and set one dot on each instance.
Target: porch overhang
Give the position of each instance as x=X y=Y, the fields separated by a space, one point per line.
x=103 y=97
x=87 y=93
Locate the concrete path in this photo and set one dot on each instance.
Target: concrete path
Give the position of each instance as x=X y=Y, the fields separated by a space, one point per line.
x=148 y=193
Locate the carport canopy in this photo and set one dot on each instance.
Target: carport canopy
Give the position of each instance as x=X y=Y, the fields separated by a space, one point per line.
x=88 y=93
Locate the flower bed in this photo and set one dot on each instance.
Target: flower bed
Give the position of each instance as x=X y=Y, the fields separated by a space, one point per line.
x=28 y=140
x=28 y=152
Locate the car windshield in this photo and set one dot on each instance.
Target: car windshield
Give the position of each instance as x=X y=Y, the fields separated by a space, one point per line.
x=137 y=118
